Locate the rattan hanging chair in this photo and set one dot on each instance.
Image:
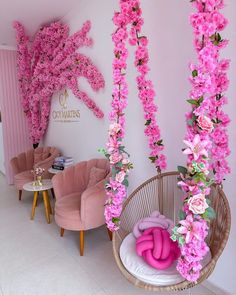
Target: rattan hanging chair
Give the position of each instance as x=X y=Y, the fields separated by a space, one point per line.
x=161 y=193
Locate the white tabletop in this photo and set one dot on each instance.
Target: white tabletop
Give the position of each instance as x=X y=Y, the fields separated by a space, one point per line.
x=47 y=184
x=54 y=171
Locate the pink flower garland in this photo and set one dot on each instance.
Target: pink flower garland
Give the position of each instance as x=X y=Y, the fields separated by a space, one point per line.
x=206 y=136
x=145 y=86
x=130 y=13
x=49 y=65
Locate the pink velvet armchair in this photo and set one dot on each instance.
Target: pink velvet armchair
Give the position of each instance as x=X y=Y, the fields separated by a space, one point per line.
x=25 y=162
x=80 y=197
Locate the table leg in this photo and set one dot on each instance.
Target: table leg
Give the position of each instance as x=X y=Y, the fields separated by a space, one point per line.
x=49 y=205
x=47 y=210
x=34 y=204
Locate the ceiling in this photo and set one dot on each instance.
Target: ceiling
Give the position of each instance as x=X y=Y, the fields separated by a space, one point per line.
x=31 y=13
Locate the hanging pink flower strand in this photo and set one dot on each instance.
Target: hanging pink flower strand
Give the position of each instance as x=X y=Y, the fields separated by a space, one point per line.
x=130 y=14
x=206 y=139
x=48 y=65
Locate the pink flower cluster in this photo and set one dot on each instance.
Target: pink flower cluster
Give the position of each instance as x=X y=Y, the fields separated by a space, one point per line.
x=206 y=139
x=48 y=65
x=130 y=14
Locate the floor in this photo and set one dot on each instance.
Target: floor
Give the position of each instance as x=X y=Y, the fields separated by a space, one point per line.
x=35 y=260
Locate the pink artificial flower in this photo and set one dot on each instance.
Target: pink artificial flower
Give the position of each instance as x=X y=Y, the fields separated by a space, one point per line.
x=197 y=147
x=197 y=204
x=120 y=176
x=205 y=123
x=115 y=158
x=114 y=129
x=191 y=229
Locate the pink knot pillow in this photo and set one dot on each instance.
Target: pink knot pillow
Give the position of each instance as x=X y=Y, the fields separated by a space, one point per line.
x=155 y=220
x=156 y=248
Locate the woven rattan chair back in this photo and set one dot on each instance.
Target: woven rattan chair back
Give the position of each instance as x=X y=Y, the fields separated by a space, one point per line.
x=161 y=193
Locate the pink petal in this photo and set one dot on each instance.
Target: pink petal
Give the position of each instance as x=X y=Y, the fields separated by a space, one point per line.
x=182 y=230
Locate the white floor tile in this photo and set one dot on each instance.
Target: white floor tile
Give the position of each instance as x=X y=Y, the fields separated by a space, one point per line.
x=35 y=260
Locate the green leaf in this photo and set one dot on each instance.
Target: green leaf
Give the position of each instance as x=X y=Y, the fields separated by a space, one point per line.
x=200 y=100
x=173 y=238
x=181 y=240
x=119 y=164
x=115 y=220
x=211 y=214
x=193 y=101
x=190 y=122
x=208 y=202
x=182 y=170
x=125 y=182
x=159 y=142
x=113 y=171
x=194 y=73
x=148 y=122
x=174 y=230
x=182 y=215
x=153 y=159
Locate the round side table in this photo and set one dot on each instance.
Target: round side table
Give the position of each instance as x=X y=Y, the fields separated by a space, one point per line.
x=47 y=184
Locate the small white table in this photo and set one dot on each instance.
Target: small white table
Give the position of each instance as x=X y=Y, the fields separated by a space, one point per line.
x=47 y=184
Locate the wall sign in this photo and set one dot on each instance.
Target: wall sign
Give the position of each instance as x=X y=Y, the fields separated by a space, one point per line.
x=62 y=111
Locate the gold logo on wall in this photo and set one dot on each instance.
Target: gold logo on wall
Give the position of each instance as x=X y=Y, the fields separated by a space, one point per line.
x=65 y=114
x=63 y=98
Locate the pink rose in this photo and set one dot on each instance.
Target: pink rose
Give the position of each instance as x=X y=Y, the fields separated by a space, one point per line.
x=205 y=123
x=115 y=158
x=120 y=176
x=197 y=204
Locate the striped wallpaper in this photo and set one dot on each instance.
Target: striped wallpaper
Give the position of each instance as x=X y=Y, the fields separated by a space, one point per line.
x=15 y=130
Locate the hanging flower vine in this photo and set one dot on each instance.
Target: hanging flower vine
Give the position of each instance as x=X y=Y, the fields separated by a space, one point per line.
x=206 y=139
x=48 y=65
x=130 y=14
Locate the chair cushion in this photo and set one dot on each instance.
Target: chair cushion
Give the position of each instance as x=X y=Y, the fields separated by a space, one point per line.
x=67 y=212
x=22 y=178
x=96 y=175
x=142 y=271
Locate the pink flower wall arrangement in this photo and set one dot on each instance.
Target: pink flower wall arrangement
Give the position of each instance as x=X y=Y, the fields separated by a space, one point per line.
x=206 y=138
x=49 y=63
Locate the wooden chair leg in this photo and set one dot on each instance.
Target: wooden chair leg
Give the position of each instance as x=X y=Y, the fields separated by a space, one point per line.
x=109 y=234
x=48 y=202
x=81 y=241
x=20 y=194
x=52 y=191
x=62 y=232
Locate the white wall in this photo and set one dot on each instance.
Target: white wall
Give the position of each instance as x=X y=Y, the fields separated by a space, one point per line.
x=2 y=167
x=170 y=35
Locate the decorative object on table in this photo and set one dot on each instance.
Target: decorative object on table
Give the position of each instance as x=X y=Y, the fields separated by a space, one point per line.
x=47 y=67
x=62 y=162
x=23 y=163
x=80 y=196
x=156 y=219
x=46 y=185
x=156 y=248
x=38 y=176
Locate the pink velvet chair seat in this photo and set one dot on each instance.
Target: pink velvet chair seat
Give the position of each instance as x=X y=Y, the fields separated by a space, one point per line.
x=68 y=212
